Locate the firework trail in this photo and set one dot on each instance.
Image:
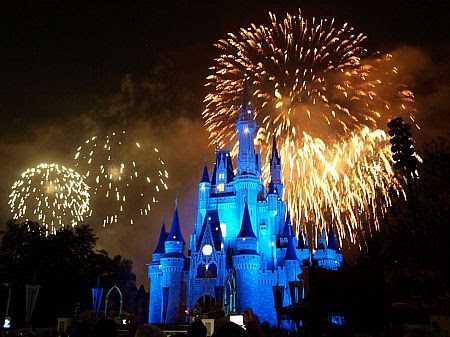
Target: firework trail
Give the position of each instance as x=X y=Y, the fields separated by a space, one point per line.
x=328 y=108
x=51 y=194
x=122 y=186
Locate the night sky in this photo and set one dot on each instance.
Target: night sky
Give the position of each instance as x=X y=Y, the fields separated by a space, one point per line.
x=62 y=67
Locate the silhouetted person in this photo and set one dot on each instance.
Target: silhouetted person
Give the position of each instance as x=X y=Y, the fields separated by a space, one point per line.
x=197 y=329
x=253 y=329
x=266 y=329
x=230 y=329
x=150 y=331
x=105 y=328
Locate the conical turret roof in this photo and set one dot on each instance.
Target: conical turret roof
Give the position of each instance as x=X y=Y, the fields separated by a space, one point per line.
x=332 y=244
x=290 y=251
x=175 y=229
x=205 y=176
x=288 y=231
x=246 y=227
x=162 y=238
x=275 y=157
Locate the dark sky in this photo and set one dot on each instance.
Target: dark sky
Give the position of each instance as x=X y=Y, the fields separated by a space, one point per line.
x=57 y=56
x=60 y=60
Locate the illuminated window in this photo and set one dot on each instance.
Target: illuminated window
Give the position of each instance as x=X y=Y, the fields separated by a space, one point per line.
x=223 y=229
x=221 y=176
x=221 y=187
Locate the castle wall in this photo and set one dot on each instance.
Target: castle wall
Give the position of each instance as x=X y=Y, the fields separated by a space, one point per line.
x=264 y=307
x=155 y=275
x=247 y=271
x=172 y=278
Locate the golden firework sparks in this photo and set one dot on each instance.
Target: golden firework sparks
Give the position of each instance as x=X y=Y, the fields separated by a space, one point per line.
x=51 y=194
x=327 y=106
x=126 y=177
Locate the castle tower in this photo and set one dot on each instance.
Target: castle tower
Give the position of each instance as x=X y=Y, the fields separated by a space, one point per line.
x=292 y=266
x=246 y=263
x=155 y=275
x=246 y=127
x=247 y=183
x=172 y=264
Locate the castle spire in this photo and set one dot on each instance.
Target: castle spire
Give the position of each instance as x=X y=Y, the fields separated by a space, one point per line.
x=275 y=159
x=205 y=176
x=245 y=95
x=288 y=231
x=162 y=237
x=290 y=251
x=175 y=229
x=301 y=242
x=246 y=228
x=247 y=111
x=332 y=244
x=246 y=127
x=275 y=168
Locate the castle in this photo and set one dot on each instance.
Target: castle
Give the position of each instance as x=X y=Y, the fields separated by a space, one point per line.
x=243 y=242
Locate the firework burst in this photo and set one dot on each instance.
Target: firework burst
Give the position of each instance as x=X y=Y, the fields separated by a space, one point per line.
x=125 y=177
x=326 y=105
x=51 y=194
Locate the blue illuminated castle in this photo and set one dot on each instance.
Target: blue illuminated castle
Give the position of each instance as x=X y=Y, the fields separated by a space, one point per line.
x=243 y=242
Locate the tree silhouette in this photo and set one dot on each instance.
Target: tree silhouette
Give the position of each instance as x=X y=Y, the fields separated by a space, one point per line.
x=65 y=264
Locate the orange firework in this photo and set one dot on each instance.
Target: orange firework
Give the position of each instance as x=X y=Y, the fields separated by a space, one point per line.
x=328 y=107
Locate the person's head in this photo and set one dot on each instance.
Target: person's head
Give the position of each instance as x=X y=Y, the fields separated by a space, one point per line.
x=105 y=328
x=253 y=329
x=150 y=331
x=266 y=329
x=229 y=329
x=197 y=329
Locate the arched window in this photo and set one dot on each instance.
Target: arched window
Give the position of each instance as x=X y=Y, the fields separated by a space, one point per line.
x=212 y=270
x=201 y=270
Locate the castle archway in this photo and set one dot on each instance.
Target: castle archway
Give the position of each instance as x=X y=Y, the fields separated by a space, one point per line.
x=206 y=300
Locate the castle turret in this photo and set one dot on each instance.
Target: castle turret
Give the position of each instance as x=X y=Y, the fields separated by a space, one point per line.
x=246 y=262
x=155 y=275
x=172 y=264
x=292 y=264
